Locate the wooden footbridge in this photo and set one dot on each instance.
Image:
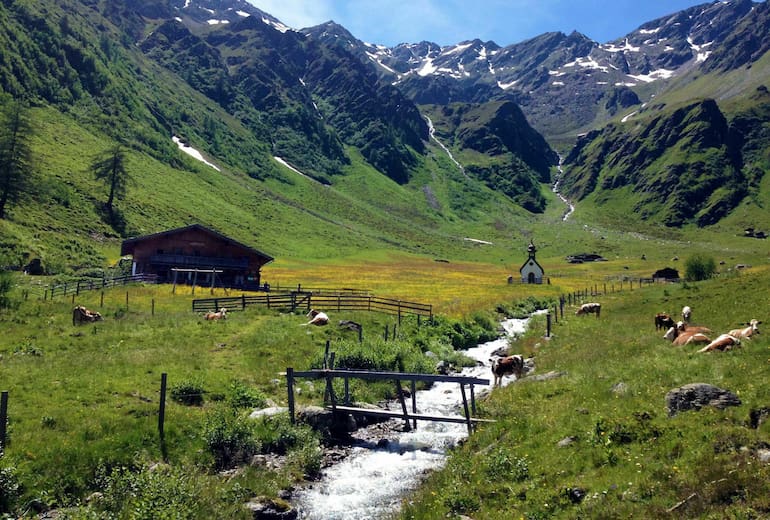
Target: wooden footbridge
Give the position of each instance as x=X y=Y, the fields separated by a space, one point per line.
x=334 y=404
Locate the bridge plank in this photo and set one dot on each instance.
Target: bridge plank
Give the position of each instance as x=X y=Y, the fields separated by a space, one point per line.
x=400 y=415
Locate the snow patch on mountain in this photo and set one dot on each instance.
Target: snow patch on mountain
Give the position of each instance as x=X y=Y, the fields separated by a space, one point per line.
x=192 y=152
x=276 y=25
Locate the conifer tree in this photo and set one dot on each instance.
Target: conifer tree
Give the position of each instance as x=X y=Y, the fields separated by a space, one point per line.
x=15 y=154
x=110 y=167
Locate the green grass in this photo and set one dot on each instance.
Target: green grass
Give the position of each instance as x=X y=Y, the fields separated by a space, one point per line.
x=628 y=456
x=84 y=400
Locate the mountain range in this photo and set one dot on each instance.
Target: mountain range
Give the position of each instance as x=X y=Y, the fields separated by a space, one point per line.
x=668 y=123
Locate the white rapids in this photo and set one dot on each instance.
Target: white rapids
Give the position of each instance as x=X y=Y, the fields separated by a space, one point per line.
x=370 y=483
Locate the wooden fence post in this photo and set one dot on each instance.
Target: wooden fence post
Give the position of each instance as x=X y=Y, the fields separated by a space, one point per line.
x=465 y=408
x=3 y=420
x=548 y=324
x=153 y=307
x=162 y=405
x=290 y=391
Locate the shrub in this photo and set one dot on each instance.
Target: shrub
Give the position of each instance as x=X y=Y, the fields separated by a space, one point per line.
x=230 y=438
x=699 y=267
x=242 y=396
x=276 y=434
x=188 y=392
x=501 y=465
x=6 y=283
x=160 y=492
x=9 y=489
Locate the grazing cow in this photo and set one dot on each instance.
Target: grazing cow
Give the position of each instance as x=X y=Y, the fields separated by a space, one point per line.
x=317 y=318
x=506 y=366
x=723 y=342
x=589 y=308
x=82 y=315
x=746 y=332
x=221 y=314
x=686 y=314
x=663 y=321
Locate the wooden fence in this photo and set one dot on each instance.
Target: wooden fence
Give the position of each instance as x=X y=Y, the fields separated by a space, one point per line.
x=91 y=284
x=342 y=301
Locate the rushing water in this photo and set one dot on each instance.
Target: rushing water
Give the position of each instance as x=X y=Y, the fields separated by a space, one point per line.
x=370 y=483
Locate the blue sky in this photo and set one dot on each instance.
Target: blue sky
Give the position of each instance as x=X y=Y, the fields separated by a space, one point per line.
x=446 y=22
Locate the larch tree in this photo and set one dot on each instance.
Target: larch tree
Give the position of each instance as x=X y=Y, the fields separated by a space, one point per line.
x=15 y=154
x=110 y=167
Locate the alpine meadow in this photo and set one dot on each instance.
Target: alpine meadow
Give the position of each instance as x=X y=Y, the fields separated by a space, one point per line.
x=162 y=160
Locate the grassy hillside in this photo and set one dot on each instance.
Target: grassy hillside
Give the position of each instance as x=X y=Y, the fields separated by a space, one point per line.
x=290 y=215
x=624 y=457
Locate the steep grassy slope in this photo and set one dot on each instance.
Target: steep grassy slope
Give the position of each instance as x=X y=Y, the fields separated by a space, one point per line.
x=289 y=215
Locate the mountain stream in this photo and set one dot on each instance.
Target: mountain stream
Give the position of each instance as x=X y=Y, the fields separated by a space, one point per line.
x=371 y=482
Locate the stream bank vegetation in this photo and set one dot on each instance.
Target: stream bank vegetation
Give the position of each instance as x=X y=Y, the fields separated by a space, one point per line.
x=83 y=401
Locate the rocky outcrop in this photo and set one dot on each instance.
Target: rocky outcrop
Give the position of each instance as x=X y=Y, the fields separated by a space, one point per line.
x=695 y=396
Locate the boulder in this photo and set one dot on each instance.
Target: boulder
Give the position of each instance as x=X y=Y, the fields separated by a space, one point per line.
x=266 y=509
x=322 y=420
x=695 y=396
x=268 y=412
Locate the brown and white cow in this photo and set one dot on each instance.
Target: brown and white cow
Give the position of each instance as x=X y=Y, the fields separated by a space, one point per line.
x=683 y=335
x=82 y=315
x=317 y=318
x=507 y=366
x=221 y=314
x=589 y=308
x=746 y=332
x=723 y=342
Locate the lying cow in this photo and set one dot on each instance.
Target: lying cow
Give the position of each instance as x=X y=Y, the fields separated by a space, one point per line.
x=506 y=366
x=221 y=314
x=723 y=343
x=679 y=336
x=82 y=315
x=317 y=318
x=589 y=308
x=746 y=332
